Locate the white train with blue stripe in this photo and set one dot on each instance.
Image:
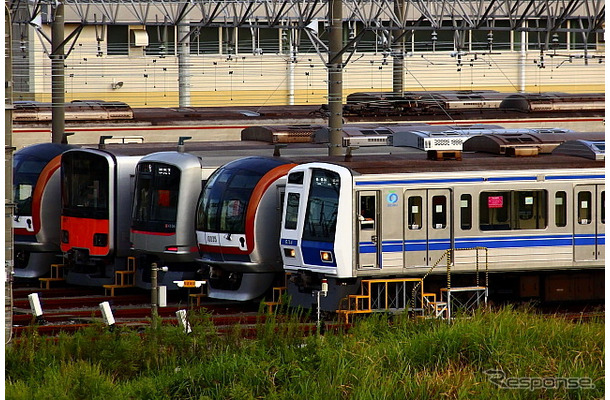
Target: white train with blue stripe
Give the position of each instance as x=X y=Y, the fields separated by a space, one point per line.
x=541 y=219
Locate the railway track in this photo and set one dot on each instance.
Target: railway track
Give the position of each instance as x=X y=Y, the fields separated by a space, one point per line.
x=69 y=309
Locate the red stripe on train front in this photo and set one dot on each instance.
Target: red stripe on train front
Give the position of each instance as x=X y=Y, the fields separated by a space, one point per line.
x=23 y=231
x=137 y=232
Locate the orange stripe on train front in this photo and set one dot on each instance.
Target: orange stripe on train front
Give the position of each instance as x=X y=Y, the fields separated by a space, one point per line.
x=41 y=184
x=257 y=194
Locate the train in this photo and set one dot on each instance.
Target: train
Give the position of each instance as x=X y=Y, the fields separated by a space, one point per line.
x=97 y=188
x=36 y=183
x=345 y=222
x=237 y=213
x=359 y=104
x=413 y=103
x=76 y=110
x=167 y=187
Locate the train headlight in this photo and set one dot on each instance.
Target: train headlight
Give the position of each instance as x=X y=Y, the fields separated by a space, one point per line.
x=326 y=256
x=65 y=236
x=100 y=240
x=290 y=253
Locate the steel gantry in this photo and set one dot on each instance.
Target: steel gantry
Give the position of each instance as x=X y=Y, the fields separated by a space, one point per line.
x=393 y=21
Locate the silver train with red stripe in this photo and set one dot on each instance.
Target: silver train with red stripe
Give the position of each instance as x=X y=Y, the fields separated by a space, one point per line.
x=167 y=187
x=37 y=208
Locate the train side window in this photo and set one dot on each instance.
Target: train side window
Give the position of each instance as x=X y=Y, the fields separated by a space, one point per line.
x=466 y=212
x=584 y=208
x=296 y=178
x=292 y=211
x=439 y=212
x=494 y=211
x=367 y=212
x=530 y=207
x=561 y=209
x=414 y=213
x=603 y=207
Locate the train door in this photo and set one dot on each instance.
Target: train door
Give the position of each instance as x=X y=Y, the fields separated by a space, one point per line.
x=589 y=222
x=368 y=224
x=427 y=226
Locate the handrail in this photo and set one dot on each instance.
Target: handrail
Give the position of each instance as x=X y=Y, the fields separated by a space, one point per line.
x=448 y=254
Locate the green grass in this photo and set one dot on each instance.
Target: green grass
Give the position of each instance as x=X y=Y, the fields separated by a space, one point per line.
x=379 y=358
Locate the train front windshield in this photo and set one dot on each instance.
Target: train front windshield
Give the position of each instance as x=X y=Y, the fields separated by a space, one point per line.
x=27 y=168
x=85 y=185
x=156 y=197
x=224 y=201
x=322 y=207
x=28 y=164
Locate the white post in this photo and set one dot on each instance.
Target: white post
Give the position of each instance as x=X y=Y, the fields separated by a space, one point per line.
x=162 y=296
x=183 y=321
x=35 y=305
x=107 y=313
x=318 y=293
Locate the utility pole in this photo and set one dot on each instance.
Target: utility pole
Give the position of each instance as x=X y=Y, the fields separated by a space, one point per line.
x=9 y=242
x=58 y=98
x=184 y=79
x=398 y=54
x=335 y=79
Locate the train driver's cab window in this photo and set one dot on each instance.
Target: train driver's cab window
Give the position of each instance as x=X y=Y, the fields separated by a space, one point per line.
x=414 y=212
x=292 y=211
x=439 y=212
x=322 y=207
x=367 y=212
x=561 y=209
x=466 y=212
x=584 y=208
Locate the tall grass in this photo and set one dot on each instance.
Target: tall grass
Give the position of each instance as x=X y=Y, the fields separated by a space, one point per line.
x=381 y=357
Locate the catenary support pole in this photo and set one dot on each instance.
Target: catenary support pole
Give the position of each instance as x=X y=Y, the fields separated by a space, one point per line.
x=58 y=97
x=184 y=79
x=398 y=54
x=335 y=79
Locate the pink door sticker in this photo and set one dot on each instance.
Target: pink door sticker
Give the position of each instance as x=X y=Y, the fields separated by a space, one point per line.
x=495 y=201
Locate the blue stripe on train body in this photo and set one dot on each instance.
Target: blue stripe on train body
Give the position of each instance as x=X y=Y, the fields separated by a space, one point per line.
x=489 y=242
x=476 y=179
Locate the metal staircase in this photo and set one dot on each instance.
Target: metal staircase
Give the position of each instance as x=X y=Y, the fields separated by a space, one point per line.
x=57 y=275
x=276 y=299
x=392 y=295
x=123 y=278
x=382 y=295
